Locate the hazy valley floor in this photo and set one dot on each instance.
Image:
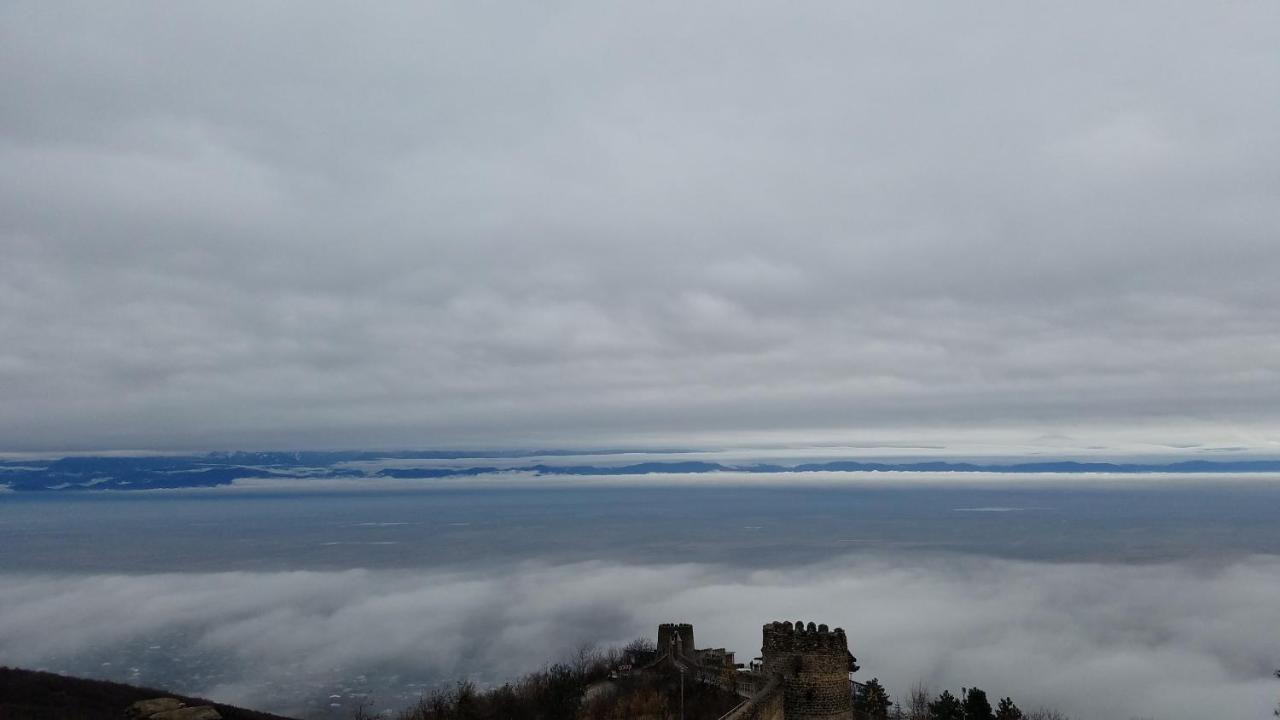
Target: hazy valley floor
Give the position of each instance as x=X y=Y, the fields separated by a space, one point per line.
x=1104 y=601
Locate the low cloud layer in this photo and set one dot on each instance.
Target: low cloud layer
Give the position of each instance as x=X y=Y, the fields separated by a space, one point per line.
x=1097 y=641
x=312 y=225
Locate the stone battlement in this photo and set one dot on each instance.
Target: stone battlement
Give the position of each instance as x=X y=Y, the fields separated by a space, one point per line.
x=803 y=673
x=788 y=638
x=674 y=637
x=814 y=663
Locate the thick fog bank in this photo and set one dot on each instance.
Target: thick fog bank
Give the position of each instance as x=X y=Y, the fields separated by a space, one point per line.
x=1097 y=641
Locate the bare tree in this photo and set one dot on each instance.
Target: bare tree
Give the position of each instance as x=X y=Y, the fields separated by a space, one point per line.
x=440 y=702
x=641 y=645
x=362 y=712
x=917 y=702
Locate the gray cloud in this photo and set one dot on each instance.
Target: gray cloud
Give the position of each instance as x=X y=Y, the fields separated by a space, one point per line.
x=316 y=225
x=1104 y=641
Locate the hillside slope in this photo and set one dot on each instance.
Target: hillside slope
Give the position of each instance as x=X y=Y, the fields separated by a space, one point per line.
x=33 y=695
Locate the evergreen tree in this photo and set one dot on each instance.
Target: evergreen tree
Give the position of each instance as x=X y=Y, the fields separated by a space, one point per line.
x=1008 y=711
x=946 y=707
x=976 y=706
x=873 y=702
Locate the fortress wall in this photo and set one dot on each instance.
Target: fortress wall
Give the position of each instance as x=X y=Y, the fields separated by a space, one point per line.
x=768 y=704
x=818 y=693
x=804 y=673
x=667 y=632
x=814 y=665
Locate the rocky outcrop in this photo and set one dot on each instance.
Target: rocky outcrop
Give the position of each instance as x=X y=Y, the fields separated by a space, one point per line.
x=147 y=708
x=170 y=709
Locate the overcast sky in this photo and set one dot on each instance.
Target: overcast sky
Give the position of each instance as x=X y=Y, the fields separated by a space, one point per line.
x=329 y=225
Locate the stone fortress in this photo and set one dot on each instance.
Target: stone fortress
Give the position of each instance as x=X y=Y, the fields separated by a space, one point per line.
x=802 y=672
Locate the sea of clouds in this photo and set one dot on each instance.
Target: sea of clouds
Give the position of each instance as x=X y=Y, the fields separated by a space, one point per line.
x=1185 y=640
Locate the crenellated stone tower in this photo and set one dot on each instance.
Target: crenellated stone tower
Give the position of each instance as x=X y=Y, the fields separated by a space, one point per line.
x=676 y=638
x=814 y=664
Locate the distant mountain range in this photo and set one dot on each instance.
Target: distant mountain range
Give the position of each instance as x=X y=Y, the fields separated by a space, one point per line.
x=83 y=473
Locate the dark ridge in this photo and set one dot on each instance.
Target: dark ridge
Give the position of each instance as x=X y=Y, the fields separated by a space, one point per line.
x=134 y=473
x=34 y=695
x=332 y=457
x=636 y=469
x=435 y=472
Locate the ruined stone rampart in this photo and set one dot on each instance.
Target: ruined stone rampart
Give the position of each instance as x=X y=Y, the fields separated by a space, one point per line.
x=803 y=673
x=784 y=638
x=814 y=664
x=767 y=704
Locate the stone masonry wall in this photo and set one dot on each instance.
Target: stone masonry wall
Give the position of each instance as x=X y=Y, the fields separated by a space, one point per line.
x=804 y=674
x=671 y=631
x=814 y=664
x=768 y=704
